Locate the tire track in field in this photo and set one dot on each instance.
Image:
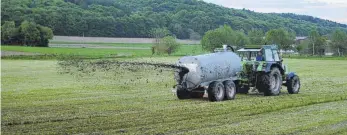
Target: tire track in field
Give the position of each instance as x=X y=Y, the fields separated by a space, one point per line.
x=325 y=127
x=198 y=116
x=16 y=53
x=241 y=117
x=256 y=116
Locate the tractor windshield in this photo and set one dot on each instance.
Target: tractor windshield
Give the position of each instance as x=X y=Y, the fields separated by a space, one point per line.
x=248 y=55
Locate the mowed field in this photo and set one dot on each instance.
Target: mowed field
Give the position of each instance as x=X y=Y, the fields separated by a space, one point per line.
x=74 y=39
x=36 y=99
x=102 y=49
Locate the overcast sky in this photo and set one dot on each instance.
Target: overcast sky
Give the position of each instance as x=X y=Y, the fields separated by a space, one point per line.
x=335 y=10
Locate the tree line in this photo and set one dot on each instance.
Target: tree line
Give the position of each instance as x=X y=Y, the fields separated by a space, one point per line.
x=184 y=19
x=314 y=44
x=27 y=33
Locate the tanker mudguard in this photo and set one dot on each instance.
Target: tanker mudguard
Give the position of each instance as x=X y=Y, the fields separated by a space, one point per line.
x=269 y=65
x=290 y=75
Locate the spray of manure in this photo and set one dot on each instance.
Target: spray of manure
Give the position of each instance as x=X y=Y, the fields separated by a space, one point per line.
x=88 y=67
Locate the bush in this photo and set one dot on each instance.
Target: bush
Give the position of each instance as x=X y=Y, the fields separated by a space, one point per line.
x=28 y=33
x=223 y=35
x=167 y=45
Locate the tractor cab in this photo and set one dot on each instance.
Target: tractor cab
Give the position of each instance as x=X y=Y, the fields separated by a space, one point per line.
x=249 y=54
x=268 y=53
x=258 y=60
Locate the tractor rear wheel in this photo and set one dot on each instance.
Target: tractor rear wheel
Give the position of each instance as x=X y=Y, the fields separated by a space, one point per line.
x=230 y=90
x=293 y=85
x=216 y=91
x=270 y=83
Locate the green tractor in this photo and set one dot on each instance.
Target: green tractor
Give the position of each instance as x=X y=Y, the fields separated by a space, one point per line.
x=263 y=70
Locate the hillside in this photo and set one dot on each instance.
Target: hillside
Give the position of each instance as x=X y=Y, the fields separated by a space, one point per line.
x=136 y=18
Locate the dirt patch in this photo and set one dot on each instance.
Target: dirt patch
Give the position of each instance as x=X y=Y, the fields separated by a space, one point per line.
x=14 y=53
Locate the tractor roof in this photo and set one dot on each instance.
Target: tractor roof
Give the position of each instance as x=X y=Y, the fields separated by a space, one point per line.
x=248 y=50
x=256 y=48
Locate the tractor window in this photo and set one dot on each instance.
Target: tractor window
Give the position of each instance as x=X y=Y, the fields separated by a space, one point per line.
x=268 y=55
x=254 y=55
x=243 y=56
x=275 y=52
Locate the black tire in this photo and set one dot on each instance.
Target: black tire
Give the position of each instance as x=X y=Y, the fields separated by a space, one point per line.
x=293 y=85
x=259 y=83
x=216 y=91
x=230 y=90
x=270 y=83
x=183 y=94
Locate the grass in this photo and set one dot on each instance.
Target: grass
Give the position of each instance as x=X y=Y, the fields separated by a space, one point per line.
x=76 y=51
x=148 y=45
x=38 y=100
x=316 y=57
x=100 y=52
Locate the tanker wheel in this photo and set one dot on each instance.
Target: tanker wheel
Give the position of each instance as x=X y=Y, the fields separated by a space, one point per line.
x=293 y=85
x=216 y=91
x=183 y=94
x=270 y=83
x=230 y=90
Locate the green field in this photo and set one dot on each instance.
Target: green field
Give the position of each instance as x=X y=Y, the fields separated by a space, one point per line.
x=107 y=44
x=101 y=52
x=38 y=100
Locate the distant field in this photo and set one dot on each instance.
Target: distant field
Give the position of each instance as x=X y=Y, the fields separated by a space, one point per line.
x=184 y=50
x=73 y=39
x=38 y=100
x=78 y=51
x=104 y=46
x=316 y=57
x=90 y=44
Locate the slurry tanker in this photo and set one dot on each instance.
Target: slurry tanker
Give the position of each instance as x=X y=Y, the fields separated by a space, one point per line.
x=225 y=72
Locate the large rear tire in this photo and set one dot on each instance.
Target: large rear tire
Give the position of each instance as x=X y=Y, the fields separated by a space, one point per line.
x=293 y=85
x=216 y=91
x=230 y=90
x=270 y=83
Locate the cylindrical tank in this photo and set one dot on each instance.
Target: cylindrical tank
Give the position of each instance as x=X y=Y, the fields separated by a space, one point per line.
x=209 y=67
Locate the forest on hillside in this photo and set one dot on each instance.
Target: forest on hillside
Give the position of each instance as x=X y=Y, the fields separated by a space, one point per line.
x=184 y=19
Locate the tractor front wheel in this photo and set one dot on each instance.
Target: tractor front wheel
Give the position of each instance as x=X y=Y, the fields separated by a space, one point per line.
x=293 y=85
